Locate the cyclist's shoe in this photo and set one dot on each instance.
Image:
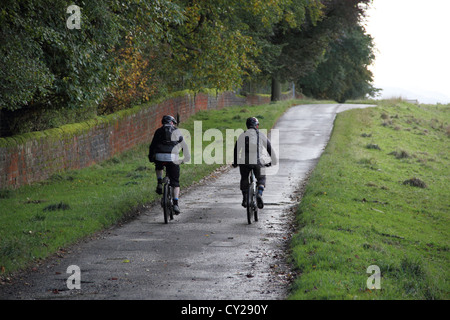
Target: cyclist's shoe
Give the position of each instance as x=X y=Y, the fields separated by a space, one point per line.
x=159 y=188
x=259 y=199
x=176 y=209
x=244 y=199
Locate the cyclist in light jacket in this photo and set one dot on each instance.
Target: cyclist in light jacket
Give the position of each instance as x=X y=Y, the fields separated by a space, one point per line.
x=249 y=155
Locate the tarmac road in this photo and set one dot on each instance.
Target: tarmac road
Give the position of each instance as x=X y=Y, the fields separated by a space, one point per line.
x=207 y=252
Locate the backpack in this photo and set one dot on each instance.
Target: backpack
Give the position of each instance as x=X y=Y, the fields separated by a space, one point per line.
x=167 y=135
x=252 y=147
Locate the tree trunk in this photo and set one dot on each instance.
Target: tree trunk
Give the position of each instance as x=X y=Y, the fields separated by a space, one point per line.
x=276 y=89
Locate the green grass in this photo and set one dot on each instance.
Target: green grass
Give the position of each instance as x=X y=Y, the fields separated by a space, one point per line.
x=357 y=210
x=39 y=220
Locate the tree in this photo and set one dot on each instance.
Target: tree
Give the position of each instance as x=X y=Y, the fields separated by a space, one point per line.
x=223 y=42
x=343 y=74
x=47 y=69
x=52 y=63
x=302 y=45
x=275 y=35
x=137 y=79
x=211 y=48
x=126 y=52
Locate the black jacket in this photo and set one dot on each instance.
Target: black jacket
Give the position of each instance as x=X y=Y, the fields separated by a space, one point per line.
x=168 y=139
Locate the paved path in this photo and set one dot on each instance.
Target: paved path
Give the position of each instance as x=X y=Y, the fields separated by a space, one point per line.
x=207 y=252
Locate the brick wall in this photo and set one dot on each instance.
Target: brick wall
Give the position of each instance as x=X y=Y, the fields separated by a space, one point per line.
x=36 y=156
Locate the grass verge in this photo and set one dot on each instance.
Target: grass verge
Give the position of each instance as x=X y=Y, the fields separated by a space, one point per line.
x=39 y=220
x=378 y=196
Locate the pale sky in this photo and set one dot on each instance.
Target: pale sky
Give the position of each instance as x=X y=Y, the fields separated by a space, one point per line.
x=412 y=39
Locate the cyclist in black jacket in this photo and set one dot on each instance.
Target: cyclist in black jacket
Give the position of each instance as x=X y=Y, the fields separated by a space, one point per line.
x=164 y=152
x=248 y=154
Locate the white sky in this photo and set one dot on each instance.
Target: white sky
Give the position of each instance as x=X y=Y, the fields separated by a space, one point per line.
x=412 y=38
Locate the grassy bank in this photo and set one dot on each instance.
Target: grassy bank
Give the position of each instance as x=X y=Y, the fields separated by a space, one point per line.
x=39 y=220
x=378 y=196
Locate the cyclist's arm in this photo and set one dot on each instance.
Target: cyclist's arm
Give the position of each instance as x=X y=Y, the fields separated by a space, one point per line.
x=270 y=150
x=152 y=148
x=181 y=144
x=186 y=151
x=237 y=150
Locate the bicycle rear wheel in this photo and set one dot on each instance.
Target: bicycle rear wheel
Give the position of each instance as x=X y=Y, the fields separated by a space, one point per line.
x=166 y=202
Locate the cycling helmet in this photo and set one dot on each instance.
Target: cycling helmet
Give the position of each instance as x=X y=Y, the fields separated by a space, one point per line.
x=252 y=122
x=167 y=119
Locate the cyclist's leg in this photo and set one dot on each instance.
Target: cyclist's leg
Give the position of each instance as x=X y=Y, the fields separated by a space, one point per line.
x=159 y=170
x=245 y=172
x=173 y=171
x=261 y=183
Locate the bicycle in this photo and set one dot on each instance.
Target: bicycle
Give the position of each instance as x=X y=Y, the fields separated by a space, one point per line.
x=166 y=200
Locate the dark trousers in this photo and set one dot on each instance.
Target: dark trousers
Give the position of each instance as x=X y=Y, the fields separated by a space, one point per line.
x=245 y=170
x=172 y=171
